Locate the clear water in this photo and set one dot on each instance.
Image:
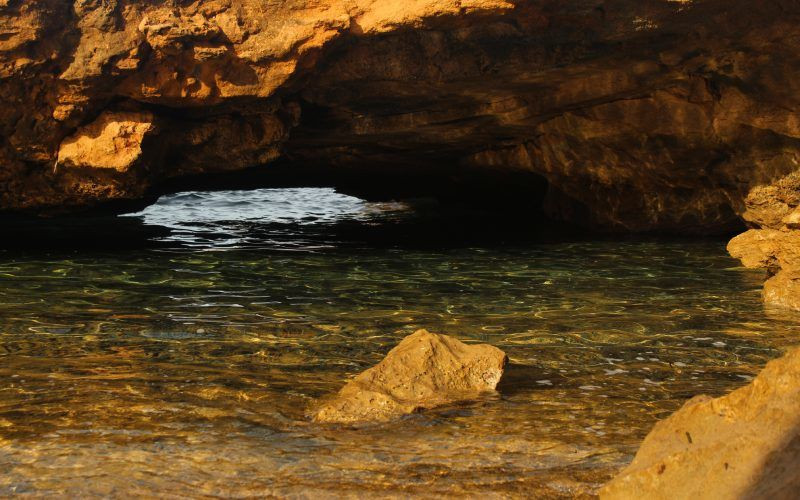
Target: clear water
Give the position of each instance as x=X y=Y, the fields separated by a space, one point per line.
x=176 y=352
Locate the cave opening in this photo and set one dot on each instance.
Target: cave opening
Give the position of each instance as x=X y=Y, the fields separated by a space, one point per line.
x=276 y=205
x=291 y=206
x=445 y=206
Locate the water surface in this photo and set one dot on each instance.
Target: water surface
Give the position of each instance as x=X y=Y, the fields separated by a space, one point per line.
x=176 y=352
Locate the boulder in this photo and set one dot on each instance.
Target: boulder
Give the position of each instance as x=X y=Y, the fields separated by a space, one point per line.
x=423 y=371
x=777 y=251
x=767 y=248
x=742 y=445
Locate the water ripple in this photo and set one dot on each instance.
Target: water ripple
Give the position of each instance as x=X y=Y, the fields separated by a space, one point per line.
x=187 y=369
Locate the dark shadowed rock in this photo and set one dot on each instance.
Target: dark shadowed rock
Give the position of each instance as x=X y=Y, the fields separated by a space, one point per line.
x=424 y=370
x=742 y=445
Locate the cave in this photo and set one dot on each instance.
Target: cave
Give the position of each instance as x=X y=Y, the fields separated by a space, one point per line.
x=217 y=213
x=639 y=120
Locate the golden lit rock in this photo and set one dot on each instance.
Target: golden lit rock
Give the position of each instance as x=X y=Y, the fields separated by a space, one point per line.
x=783 y=290
x=113 y=141
x=654 y=137
x=777 y=251
x=424 y=370
x=742 y=445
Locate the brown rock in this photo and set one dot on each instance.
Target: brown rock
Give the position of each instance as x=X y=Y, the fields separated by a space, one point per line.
x=767 y=248
x=792 y=221
x=424 y=370
x=771 y=205
x=690 y=128
x=783 y=290
x=778 y=251
x=113 y=141
x=743 y=445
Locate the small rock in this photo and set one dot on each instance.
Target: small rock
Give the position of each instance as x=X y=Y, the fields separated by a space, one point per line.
x=424 y=370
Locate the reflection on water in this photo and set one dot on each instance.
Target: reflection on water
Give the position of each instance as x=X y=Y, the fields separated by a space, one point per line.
x=183 y=362
x=267 y=218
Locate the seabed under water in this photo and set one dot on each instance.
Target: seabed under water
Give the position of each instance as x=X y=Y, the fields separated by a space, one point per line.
x=175 y=352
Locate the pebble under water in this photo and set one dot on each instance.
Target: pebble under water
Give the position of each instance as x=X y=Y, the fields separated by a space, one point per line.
x=175 y=352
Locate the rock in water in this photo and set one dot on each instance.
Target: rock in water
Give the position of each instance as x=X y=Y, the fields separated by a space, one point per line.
x=742 y=445
x=778 y=251
x=424 y=370
x=783 y=290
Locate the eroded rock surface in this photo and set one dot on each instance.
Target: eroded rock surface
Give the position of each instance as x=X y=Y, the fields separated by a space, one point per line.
x=774 y=245
x=767 y=248
x=743 y=445
x=424 y=370
x=217 y=75
x=636 y=115
x=625 y=115
x=114 y=141
x=783 y=290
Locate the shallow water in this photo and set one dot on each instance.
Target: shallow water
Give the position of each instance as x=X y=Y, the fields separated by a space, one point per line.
x=176 y=352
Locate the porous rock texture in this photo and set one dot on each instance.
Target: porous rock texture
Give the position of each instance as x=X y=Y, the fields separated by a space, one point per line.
x=775 y=245
x=654 y=114
x=742 y=445
x=424 y=370
x=211 y=85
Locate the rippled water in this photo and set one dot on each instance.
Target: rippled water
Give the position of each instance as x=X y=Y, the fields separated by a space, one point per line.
x=176 y=352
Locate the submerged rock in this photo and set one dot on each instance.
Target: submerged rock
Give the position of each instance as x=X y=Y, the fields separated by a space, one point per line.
x=424 y=370
x=742 y=445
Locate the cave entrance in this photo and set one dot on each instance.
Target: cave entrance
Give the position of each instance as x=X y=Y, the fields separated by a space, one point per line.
x=293 y=207
x=460 y=212
x=448 y=206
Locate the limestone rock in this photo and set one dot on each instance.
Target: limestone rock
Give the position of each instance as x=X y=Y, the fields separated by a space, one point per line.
x=778 y=251
x=113 y=141
x=767 y=248
x=792 y=220
x=742 y=445
x=771 y=205
x=424 y=370
x=783 y=290
x=634 y=116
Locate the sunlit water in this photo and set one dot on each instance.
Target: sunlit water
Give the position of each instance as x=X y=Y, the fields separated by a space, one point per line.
x=176 y=352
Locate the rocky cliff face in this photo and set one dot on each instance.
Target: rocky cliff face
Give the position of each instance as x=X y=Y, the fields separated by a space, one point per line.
x=105 y=99
x=637 y=115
